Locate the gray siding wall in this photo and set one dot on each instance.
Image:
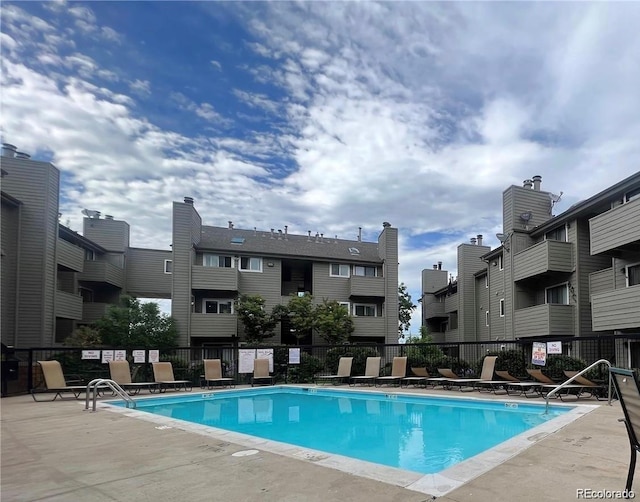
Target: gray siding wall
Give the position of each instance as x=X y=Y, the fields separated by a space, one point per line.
x=497 y=288
x=36 y=185
x=482 y=305
x=266 y=283
x=214 y=325
x=545 y=320
x=68 y=305
x=186 y=223
x=586 y=264
x=145 y=275
x=366 y=286
x=113 y=235
x=388 y=251
x=517 y=200
x=545 y=256
x=214 y=278
x=10 y=221
x=616 y=227
x=601 y=281
x=331 y=288
x=70 y=255
x=102 y=271
x=469 y=262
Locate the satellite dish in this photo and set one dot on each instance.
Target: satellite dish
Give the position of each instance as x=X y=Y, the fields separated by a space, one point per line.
x=555 y=198
x=90 y=213
x=526 y=216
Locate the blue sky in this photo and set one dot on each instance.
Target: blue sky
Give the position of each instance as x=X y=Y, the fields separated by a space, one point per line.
x=324 y=116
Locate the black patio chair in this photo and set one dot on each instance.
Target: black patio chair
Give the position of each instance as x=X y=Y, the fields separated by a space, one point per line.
x=628 y=392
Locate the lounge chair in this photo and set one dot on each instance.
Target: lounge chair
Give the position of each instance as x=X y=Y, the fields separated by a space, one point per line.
x=420 y=376
x=121 y=374
x=628 y=392
x=398 y=372
x=486 y=375
x=371 y=372
x=344 y=372
x=598 y=390
x=261 y=372
x=547 y=385
x=213 y=374
x=56 y=383
x=513 y=385
x=163 y=376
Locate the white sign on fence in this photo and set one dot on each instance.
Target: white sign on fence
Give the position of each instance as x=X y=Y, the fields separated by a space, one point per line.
x=120 y=355
x=294 y=356
x=107 y=355
x=90 y=354
x=154 y=356
x=245 y=360
x=265 y=354
x=139 y=356
x=539 y=354
x=554 y=347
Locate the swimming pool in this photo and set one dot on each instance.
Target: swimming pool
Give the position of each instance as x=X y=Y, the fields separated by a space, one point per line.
x=425 y=435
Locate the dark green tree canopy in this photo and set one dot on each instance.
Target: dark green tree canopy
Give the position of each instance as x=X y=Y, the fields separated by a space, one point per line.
x=135 y=324
x=405 y=309
x=333 y=322
x=258 y=323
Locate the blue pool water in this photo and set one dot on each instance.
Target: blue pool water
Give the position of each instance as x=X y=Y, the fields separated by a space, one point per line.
x=421 y=434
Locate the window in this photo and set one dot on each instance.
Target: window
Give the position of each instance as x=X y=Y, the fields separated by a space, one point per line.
x=558 y=294
x=501 y=307
x=168 y=266
x=558 y=234
x=486 y=318
x=346 y=305
x=251 y=264
x=221 y=306
x=339 y=270
x=632 y=195
x=364 y=271
x=214 y=260
x=362 y=310
x=89 y=255
x=237 y=240
x=633 y=275
x=500 y=263
x=453 y=320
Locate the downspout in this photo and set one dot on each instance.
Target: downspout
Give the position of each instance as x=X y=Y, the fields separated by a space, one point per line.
x=17 y=292
x=488 y=299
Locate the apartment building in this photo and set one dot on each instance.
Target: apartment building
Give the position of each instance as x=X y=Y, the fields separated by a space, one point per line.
x=212 y=266
x=574 y=274
x=55 y=279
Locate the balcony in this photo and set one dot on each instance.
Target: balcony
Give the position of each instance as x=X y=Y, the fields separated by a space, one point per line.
x=451 y=303
x=434 y=310
x=92 y=311
x=214 y=325
x=601 y=281
x=102 y=271
x=615 y=229
x=214 y=278
x=68 y=305
x=542 y=258
x=70 y=256
x=544 y=320
x=366 y=286
x=616 y=309
x=369 y=326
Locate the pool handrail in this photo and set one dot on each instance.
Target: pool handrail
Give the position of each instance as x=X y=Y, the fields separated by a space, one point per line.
x=580 y=373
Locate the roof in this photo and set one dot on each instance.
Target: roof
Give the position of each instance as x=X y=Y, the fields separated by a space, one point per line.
x=80 y=240
x=10 y=199
x=280 y=244
x=592 y=206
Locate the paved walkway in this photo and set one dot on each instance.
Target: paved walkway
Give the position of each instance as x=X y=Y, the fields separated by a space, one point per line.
x=58 y=452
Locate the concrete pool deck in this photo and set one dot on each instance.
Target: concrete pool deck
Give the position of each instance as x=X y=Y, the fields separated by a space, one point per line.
x=56 y=451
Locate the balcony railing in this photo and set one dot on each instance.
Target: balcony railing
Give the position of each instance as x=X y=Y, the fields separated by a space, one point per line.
x=546 y=256
x=366 y=286
x=68 y=305
x=102 y=271
x=434 y=310
x=70 y=256
x=601 y=281
x=451 y=303
x=214 y=278
x=616 y=309
x=615 y=228
x=214 y=325
x=546 y=319
x=369 y=326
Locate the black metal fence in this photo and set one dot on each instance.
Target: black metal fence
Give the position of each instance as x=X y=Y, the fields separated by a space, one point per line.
x=21 y=373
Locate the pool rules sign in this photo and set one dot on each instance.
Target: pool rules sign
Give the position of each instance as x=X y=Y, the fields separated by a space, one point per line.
x=539 y=354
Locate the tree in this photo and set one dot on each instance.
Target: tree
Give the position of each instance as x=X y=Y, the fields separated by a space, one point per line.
x=333 y=322
x=301 y=314
x=135 y=324
x=405 y=308
x=85 y=336
x=258 y=324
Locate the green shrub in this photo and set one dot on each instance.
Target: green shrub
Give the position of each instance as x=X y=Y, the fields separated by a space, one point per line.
x=305 y=371
x=556 y=363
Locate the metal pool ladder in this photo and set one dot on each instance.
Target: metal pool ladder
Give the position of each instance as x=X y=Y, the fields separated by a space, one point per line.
x=563 y=384
x=95 y=384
